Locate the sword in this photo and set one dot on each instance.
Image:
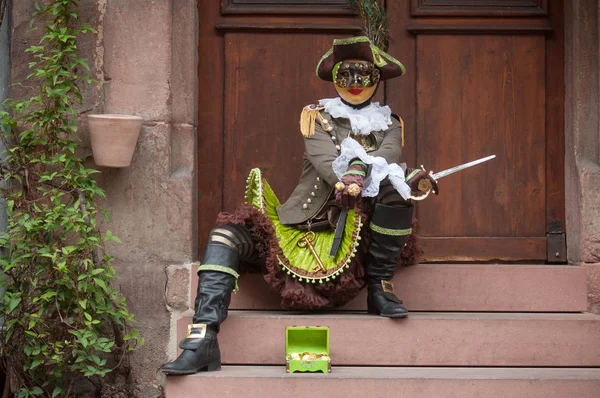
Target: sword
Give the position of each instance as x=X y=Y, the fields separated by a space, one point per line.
x=425 y=185
x=339 y=228
x=452 y=170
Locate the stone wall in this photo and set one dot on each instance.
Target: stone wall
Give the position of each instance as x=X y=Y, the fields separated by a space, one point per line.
x=147 y=67
x=149 y=70
x=582 y=132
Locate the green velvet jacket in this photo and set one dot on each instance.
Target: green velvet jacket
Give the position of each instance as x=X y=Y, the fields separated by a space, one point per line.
x=317 y=179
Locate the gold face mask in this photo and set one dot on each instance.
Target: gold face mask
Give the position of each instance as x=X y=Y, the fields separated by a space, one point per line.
x=356 y=72
x=356 y=80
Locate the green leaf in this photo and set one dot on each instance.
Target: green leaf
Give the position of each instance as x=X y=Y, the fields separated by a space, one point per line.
x=57 y=391
x=68 y=249
x=36 y=362
x=101 y=283
x=13 y=303
x=48 y=295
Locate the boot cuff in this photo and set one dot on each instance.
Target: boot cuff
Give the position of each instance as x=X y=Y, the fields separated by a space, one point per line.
x=221 y=256
x=392 y=220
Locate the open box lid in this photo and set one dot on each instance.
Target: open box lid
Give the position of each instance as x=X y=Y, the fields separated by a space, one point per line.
x=312 y=339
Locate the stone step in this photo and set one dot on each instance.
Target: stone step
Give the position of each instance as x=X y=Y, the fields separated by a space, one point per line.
x=423 y=339
x=396 y=382
x=457 y=287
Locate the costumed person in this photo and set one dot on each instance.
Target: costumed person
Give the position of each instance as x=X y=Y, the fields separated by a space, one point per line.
x=344 y=226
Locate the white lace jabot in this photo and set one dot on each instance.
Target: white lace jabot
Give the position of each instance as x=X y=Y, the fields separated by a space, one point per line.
x=363 y=121
x=378 y=169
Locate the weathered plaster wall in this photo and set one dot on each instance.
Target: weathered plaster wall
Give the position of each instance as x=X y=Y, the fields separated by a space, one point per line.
x=147 y=67
x=582 y=131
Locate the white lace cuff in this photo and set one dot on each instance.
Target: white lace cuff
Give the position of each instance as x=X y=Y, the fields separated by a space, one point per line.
x=379 y=169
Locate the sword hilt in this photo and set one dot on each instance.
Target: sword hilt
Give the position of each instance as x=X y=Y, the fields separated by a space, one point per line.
x=424 y=186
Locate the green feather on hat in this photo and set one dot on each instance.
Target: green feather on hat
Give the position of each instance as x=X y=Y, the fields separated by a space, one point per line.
x=370 y=47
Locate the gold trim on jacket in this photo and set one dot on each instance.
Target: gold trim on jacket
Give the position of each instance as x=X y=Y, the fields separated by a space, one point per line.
x=317 y=178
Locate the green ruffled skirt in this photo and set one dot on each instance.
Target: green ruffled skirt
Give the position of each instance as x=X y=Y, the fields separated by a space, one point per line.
x=288 y=263
x=289 y=266
x=296 y=257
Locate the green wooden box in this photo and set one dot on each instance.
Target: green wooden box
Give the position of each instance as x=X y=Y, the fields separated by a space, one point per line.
x=311 y=340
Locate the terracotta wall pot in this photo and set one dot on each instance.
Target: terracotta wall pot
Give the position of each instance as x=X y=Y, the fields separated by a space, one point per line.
x=113 y=138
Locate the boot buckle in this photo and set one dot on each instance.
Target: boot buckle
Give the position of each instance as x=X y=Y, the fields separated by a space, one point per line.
x=196 y=331
x=388 y=286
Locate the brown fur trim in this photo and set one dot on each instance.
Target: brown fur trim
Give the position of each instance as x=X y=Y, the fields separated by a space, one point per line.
x=412 y=252
x=307 y=296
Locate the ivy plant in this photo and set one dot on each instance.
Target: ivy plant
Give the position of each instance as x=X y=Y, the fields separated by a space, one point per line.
x=65 y=324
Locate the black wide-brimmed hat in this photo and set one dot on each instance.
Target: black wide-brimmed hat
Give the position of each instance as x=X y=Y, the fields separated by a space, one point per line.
x=359 y=47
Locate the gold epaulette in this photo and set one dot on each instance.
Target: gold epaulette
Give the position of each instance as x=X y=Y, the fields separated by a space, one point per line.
x=402 y=130
x=309 y=115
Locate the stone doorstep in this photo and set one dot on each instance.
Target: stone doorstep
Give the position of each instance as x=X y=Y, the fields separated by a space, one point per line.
x=423 y=339
x=397 y=382
x=456 y=287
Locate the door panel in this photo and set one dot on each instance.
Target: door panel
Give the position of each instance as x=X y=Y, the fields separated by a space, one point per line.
x=483 y=77
x=487 y=78
x=477 y=96
x=482 y=8
x=268 y=80
x=284 y=7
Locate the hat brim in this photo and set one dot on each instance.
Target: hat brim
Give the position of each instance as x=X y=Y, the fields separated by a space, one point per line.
x=358 y=48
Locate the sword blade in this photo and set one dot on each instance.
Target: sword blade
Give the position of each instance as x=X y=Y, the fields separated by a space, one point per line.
x=453 y=170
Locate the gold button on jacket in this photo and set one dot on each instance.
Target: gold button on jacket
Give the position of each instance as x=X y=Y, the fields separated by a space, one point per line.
x=320 y=152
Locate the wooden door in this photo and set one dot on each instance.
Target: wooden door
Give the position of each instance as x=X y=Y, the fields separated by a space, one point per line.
x=484 y=77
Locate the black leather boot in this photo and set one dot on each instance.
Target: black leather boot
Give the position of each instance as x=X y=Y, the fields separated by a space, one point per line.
x=217 y=278
x=390 y=228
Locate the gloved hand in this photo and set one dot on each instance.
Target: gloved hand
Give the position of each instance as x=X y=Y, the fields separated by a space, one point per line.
x=420 y=182
x=349 y=190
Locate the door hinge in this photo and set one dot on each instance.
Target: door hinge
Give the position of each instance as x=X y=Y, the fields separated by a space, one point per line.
x=556 y=243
